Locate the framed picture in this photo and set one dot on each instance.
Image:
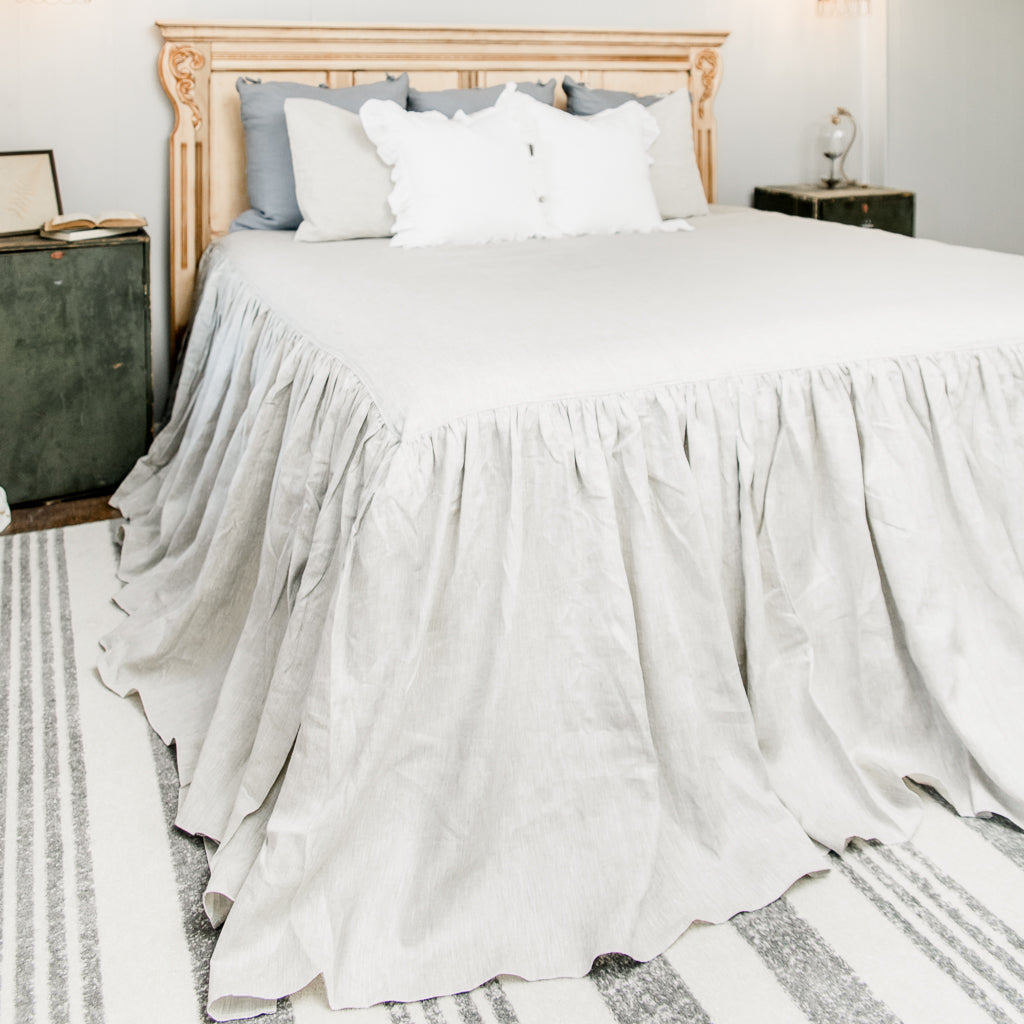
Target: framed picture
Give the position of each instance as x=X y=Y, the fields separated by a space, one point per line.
x=29 y=195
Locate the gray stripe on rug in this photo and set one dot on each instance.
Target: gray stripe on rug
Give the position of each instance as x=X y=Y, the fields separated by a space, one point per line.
x=917 y=906
x=24 y=930
x=993 y=920
x=468 y=1013
x=6 y=624
x=191 y=871
x=934 y=893
x=88 y=929
x=925 y=945
x=817 y=978
x=433 y=1012
x=399 y=1014
x=500 y=1003
x=56 y=925
x=645 y=993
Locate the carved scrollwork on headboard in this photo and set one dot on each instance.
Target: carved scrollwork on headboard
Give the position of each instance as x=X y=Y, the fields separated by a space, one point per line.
x=708 y=64
x=184 y=63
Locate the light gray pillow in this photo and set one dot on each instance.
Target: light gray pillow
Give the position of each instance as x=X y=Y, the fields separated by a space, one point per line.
x=342 y=185
x=469 y=101
x=268 y=167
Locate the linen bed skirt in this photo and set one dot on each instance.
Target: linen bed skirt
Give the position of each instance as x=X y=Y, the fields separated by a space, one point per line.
x=558 y=679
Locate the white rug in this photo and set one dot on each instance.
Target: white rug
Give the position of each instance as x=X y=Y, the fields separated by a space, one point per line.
x=101 y=898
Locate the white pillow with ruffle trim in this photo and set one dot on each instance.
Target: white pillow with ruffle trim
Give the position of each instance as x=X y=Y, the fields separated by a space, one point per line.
x=463 y=180
x=594 y=173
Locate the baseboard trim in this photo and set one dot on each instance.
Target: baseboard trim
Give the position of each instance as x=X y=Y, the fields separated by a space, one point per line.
x=53 y=514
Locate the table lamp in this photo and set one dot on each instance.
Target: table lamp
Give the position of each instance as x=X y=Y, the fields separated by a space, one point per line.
x=837 y=137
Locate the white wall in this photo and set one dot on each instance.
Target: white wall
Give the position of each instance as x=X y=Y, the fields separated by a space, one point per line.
x=81 y=79
x=956 y=127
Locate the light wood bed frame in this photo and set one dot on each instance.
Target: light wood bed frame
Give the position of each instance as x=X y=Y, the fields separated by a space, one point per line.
x=200 y=62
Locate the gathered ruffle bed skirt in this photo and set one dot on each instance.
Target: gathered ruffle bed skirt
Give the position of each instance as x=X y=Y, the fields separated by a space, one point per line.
x=557 y=680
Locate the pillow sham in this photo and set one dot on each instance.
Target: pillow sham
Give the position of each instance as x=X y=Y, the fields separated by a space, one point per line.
x=593 y=172
x=341 y=184
x=462 y=180
x=268 y=171
x=469 y=101
x=674 y=173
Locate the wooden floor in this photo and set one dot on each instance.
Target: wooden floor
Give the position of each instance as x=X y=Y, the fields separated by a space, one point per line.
x=51 y=514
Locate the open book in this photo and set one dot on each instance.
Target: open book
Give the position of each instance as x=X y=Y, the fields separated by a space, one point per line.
x=70 y=226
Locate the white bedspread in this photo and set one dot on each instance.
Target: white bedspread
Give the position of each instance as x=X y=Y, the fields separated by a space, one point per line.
x=524 y=603
x=439 y=333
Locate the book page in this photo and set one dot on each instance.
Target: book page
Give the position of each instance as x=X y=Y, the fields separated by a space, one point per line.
x=120 y=219
x=107 y=219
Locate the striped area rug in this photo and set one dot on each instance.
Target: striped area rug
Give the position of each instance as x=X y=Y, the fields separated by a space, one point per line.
x=100 y=896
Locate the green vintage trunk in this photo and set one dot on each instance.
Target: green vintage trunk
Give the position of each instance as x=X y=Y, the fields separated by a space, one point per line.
x=76 y=399
x=887 y=209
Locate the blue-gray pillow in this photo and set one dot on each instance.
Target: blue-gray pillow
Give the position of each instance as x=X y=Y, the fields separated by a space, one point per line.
x=581 y=99
x=268 y=158
x=447 y=101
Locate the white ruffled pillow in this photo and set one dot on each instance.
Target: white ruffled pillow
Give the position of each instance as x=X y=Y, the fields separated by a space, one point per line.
x=463 y=180
x=674 y=174
x=594 y=173
x=341 y=184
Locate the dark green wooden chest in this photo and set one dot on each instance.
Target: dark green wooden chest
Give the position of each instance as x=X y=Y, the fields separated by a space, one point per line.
x=867 y=206
x=76 y=395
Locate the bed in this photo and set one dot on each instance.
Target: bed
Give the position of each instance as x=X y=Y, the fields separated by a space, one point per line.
x=529 y=601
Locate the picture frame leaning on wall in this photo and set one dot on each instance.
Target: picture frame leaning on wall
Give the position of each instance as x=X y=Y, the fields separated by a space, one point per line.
x=29 y=194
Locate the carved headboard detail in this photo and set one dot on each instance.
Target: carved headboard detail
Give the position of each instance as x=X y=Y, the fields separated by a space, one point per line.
x=200 y=61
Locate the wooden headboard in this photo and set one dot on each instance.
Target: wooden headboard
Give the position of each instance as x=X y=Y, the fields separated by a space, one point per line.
x=200 y=61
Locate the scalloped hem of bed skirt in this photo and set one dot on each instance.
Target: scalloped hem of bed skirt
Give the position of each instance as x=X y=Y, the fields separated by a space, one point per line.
x=471 y=976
